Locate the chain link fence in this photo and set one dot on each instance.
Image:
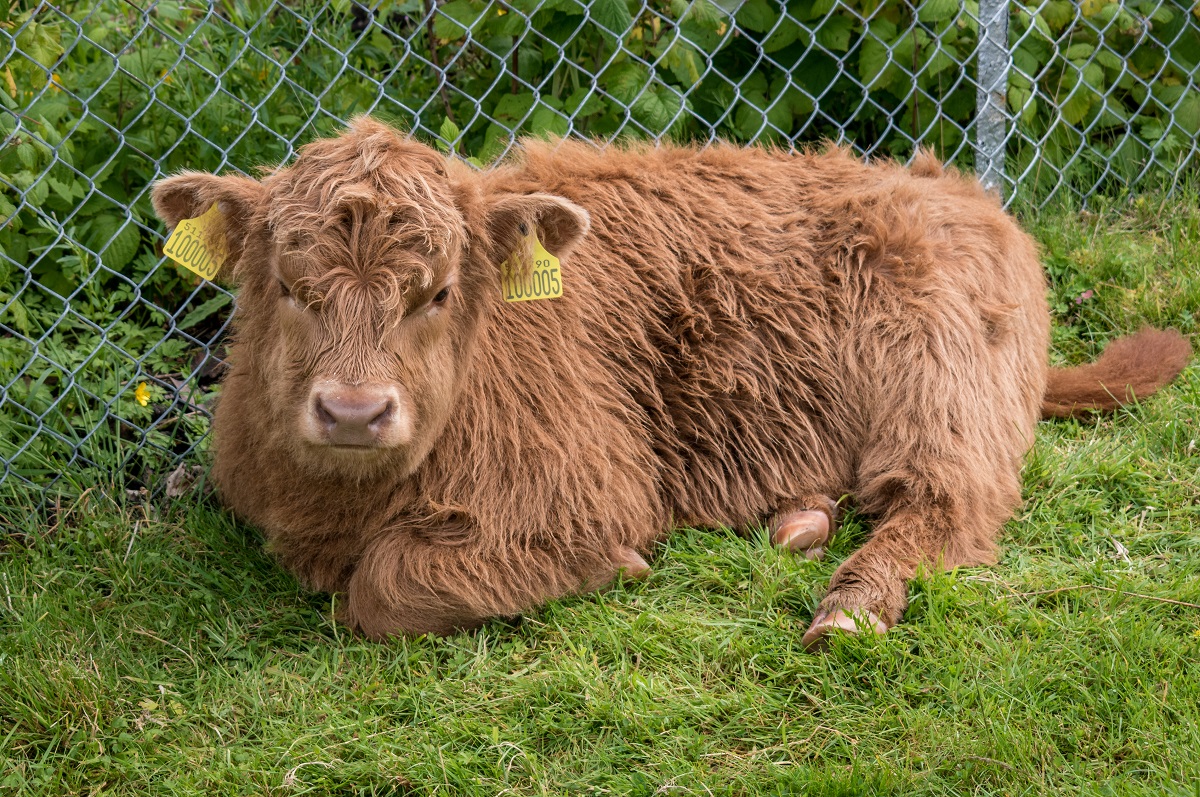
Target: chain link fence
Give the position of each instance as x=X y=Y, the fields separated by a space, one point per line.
x=110 y=355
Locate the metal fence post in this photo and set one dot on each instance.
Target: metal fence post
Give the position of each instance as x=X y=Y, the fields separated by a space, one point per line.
x=992 y=117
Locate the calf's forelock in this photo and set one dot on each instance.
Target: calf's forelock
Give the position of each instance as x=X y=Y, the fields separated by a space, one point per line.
x=364 y=219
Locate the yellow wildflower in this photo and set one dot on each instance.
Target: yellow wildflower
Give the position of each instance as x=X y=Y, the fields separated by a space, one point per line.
x=56 y=84
x=501 y=12
x=142 y=394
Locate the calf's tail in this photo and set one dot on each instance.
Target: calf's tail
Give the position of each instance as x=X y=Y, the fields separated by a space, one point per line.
x=1129 y=368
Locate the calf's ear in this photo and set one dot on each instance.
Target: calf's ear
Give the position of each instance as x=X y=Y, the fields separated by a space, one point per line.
x=559 y=223
x=190 y=194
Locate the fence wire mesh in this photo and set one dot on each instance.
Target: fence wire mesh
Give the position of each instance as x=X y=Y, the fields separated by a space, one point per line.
x=110 y=354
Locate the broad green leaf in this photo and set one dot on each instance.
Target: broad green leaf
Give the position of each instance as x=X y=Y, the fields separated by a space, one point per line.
x=115 y=244
x=1091 y=8
x=755 y=83
x=1111 y=116
x=706 y=14
x=1079 y=51
x=684 y=64
x=749 y=118
x=449 y=134
x=800 y=103
x=1031 y=55
x=583 y=102
x=612 y=14
x=937 y=10
x=1167 y=95
x=37 y=192
x=780 y=115
x=27 y=154
x=835 y=33
x=1093 y=75
x=1076 y=107
x=67 y=190
x=1104 y=11
x=784 y=34
x=547 y=122
x=1057 y=13
x=882 y=28
x=1187 y=113
x=1018 y=79
x=1017 y=97
x=872 y=59
x=512 y=109
x=1162 y=14
x=455 y=18
x=1152 y=131
x=757 y=16
x=204 y=311
x=624 y=81
x=657 y=108
x=40 y=42
x=1109 y=59
x=938 y=62
x=1041 y=26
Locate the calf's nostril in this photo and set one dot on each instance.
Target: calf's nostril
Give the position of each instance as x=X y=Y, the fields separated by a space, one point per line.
x=324 y=416
x=383 y=417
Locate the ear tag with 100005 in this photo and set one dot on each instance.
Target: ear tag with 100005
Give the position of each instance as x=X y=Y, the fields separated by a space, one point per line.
x=543 y=280
x=193 y=246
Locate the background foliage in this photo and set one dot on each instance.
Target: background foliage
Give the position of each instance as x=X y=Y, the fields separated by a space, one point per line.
x=107 y=351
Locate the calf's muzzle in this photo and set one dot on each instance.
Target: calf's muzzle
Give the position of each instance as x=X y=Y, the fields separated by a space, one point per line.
x=367 y=416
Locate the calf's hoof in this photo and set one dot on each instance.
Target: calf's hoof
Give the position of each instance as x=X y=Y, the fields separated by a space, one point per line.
x=856 y=621
x=806 y=531
x=631 y=565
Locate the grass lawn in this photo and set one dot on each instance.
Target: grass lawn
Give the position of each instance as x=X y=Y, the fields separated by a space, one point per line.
x=159 y=651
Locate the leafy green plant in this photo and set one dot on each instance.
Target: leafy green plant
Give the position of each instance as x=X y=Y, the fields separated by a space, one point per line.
x=1105 y=91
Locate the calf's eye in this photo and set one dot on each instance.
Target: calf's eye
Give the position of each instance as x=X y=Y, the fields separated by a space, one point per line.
x=284 y=290
x=442 y=295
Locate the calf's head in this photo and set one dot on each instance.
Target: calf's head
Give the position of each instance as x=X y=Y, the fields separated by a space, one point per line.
x=365 y=271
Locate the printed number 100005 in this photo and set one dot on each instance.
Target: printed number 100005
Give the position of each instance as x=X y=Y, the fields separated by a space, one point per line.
x=542 y=282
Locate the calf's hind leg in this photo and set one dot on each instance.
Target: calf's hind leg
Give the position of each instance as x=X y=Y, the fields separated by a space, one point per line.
x=939 y=469
x=869 y=591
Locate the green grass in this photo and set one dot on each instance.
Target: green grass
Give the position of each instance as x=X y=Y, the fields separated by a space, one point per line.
x=161 y=652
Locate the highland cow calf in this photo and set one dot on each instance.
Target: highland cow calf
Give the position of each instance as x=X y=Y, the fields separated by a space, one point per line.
x=744 y=336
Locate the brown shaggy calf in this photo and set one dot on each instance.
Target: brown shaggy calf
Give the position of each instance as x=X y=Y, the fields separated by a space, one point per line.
x=745 y=335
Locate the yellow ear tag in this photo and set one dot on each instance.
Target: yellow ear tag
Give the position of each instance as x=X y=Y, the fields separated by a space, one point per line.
x=541 y=281
x=193 y=246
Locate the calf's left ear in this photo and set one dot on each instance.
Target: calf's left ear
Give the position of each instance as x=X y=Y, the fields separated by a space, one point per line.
x=559 y=223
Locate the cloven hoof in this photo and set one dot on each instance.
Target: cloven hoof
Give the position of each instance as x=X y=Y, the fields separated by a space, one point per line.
x=632 y=566
x=840 y=620
x=804 y=532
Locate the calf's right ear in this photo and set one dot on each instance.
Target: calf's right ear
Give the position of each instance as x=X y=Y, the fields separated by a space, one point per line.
x=190 y=194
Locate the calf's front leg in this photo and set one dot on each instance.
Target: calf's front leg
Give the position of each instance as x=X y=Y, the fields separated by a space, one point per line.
x=413 y=584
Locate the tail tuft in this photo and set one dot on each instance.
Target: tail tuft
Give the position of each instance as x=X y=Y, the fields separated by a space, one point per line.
x=1129 y=368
